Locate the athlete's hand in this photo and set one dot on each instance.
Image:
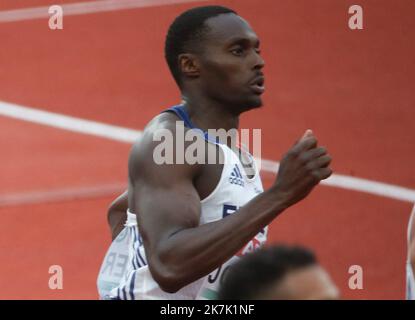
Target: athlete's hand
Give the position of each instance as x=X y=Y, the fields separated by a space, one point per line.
x=301 y=169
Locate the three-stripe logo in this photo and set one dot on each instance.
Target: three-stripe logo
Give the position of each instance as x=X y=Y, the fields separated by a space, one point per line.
x=236 y=177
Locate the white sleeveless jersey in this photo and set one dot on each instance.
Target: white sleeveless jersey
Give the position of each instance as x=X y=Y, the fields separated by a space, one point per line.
x=125 y=274
x=410 y=278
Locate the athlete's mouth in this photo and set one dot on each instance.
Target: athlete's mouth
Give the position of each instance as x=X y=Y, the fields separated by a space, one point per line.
x=257 y=84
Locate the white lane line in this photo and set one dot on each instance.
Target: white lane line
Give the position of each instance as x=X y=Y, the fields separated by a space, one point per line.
x=59 y=195
x=85 y=8
x=129 y=135
x=356 y=184
x=372 y=187
x=68 y=123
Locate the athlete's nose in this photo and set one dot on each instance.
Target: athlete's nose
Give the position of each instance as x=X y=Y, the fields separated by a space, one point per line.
x=259 y=62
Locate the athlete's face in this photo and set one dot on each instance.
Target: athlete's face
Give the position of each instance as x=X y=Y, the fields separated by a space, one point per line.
x=311 y=283
x=230 y=64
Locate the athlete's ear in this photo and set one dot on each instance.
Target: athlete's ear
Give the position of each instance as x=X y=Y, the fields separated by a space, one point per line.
x=189 y=65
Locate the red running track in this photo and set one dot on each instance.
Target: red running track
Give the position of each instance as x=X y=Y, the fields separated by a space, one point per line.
x=353 y=88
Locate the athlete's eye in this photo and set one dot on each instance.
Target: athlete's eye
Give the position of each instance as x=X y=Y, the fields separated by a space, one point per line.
x=237 y=51
x=257 y=50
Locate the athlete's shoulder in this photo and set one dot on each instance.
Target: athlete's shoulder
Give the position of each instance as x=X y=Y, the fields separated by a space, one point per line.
x=159 y=132
x=164 y=120
x=161 y=125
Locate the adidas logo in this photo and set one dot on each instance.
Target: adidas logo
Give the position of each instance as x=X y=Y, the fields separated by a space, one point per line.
x=236 y=177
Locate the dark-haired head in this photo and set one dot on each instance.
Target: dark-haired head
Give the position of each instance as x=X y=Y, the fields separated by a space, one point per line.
x=186 y=34
x=278 y=272
x=213 y=52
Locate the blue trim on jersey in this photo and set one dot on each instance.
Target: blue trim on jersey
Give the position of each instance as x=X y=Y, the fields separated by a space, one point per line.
x=239 y=172
x=132 y=286
x=140 y=240
x=124 y=293
x=141 y=257
x=135 y=263
x=140 y=261
x=135 y=249
x=180 y=111
x=138 y=249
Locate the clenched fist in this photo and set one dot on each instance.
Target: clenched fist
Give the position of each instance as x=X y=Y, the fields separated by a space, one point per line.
x=301 y=169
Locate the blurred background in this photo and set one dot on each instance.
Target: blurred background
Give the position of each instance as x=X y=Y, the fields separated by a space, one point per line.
x=354 y=88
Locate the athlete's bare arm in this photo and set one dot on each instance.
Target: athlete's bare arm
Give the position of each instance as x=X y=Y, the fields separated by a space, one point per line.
x=178 y=250
x=117 y=214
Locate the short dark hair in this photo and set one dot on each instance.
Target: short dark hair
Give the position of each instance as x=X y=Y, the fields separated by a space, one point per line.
x=186 y=32
x=256 y=272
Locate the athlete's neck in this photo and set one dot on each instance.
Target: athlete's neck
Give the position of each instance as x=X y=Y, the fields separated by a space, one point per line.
x=210 y=115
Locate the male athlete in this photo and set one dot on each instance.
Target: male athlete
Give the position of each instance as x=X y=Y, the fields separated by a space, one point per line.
x=186 y=223
x=278 y=273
